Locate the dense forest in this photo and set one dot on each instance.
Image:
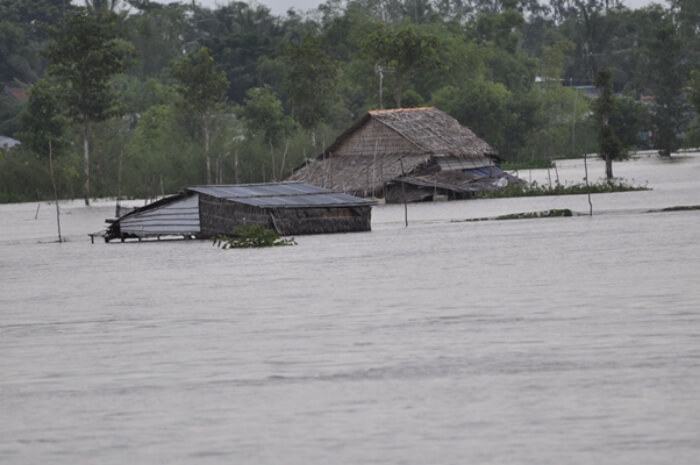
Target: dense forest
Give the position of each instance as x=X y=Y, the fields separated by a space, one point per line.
x=136 y=98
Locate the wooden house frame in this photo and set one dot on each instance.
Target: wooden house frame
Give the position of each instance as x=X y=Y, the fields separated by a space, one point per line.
x=200 y=212
x=424 y=151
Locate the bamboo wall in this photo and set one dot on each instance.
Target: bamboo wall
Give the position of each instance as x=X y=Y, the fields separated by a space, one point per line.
x=221 y=216
x=296 y=221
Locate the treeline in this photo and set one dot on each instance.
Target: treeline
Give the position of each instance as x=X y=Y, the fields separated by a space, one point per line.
x=137 y=98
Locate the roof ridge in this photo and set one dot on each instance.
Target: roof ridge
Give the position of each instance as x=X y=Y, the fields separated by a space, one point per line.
x=399 y=110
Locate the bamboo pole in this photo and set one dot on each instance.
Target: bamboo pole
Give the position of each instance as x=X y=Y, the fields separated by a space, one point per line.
x=403 y=193
x=55 y=192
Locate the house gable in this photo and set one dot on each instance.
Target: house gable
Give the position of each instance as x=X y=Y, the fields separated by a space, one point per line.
x=374 y=138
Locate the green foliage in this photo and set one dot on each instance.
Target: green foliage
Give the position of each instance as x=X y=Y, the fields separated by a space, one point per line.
x=23 y=36
x=630 y=118
x=403 y=51
x=536 y=190
x=250 y=236
x=201 y=85
x=553 y=213
x=86 y=53
x=10 y=109
x=527 y=165
x=668 y=78
x=159 y=34
x=609 y=145
x=681 y=208
x=43 y=125
x=695 y=89
x=311 y=81
x=178 y=123
x=263 y=115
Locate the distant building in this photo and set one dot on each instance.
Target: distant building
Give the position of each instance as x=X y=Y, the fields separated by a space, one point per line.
x=588 y=91
x=7 y=143
x=407 y=153
x=206 y=211
x=15 y=92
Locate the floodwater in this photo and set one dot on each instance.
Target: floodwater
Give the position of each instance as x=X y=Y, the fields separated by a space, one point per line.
x=551 y=341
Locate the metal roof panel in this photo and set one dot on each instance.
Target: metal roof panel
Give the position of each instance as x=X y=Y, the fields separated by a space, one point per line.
x=282 y=195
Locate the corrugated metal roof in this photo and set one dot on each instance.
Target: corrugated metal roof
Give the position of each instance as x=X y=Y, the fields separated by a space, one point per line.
x=177 y=217
x=281 y=195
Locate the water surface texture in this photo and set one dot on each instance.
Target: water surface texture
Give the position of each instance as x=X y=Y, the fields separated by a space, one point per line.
x=551 y=341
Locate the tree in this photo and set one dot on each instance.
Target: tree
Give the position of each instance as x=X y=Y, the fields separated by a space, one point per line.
x=102 y=6
x=43 y=126
x=610 y=147
x=630 y=119
x=202 y=88
x=87 y=52
x=264 y=116
x=695 y=89
x=668 y=78
x=404 y=50
x=311 y=82
x=23 y=36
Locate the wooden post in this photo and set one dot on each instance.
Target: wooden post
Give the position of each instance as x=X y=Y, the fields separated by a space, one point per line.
x=588 y=186
x=55 y=192
x=403 y=193
x=235 y=165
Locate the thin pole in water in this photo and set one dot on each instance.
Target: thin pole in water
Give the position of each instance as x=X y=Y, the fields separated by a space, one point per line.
x=588 y=186
x=403 y=192
x=55 y=193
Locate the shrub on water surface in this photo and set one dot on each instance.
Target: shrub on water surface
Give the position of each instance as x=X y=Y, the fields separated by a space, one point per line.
x=527 y=165
x=249 y=236
x=534 y=189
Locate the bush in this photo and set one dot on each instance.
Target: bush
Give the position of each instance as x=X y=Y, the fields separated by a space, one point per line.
x=537 y=163
x=535 y=189
x=249 y=236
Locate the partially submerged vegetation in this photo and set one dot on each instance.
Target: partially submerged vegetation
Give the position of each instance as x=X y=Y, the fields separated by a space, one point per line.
x=514 y=72
x=251 y=236
x=680 y=208
x=534 y=189
x=534 y=164
x=553 y=213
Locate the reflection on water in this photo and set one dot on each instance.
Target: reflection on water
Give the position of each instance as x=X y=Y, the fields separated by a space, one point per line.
x=563 y=340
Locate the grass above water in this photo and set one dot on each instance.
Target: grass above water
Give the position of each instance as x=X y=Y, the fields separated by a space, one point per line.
x=533 y=189
x=553 y=213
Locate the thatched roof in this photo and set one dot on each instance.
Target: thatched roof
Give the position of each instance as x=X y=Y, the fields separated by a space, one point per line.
x=386 y=144
x=429 y=129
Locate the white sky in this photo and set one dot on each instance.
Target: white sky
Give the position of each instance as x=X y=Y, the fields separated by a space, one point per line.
x=280 y=7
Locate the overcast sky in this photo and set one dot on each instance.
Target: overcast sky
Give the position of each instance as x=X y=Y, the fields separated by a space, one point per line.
x=280 y=7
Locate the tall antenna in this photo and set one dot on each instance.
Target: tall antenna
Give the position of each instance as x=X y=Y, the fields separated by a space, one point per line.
x=380 y=70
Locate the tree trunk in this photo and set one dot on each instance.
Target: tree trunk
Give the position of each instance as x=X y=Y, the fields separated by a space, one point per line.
x=399 y=85
x=55 y=192
x=207 y=158
x=608 y=168
x=86 y=161
x=119 y=177
x=235 y=165
x=284 y=156
x=272 y=157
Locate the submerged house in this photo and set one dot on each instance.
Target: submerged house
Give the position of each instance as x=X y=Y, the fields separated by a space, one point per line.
x=408 y=154
x=206 y=211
